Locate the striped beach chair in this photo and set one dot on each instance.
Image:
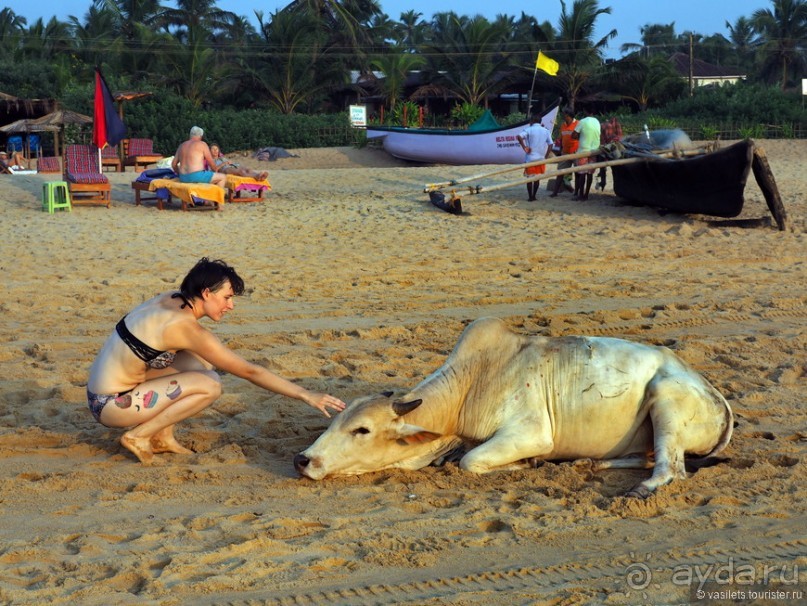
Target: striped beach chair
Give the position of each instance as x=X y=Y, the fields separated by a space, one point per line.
x=82 y=171
x=139 y=153
x=48 y=164
x=111 y=159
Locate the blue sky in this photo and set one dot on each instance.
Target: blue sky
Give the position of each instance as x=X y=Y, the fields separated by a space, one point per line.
x=627 y=16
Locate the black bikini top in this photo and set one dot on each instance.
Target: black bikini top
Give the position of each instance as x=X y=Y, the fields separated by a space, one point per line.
x=152 y=357
x=185 y=301
x=140 y=349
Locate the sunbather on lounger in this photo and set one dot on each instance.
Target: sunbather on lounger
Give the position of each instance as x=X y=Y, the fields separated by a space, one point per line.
x=192 y=159
x=223 y=165
x=16 y=162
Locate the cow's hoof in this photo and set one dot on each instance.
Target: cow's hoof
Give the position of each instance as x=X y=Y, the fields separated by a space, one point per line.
x=638 y=492
x=584 y=465
x=452 y=456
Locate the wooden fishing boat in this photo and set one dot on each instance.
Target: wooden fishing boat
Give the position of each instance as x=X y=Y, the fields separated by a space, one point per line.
x=482 y=143
x=708 y=184
x=697 y=180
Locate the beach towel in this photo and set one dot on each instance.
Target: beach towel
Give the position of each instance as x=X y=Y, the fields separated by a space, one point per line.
x=193 y=193
x=236 y=183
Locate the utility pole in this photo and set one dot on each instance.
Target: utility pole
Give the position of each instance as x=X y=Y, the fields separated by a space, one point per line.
x=691 y=66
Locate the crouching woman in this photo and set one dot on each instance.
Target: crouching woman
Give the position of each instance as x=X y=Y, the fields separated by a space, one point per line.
x=157 y=366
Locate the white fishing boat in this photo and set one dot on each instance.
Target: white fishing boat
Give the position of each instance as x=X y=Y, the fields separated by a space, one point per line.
x=481 y=143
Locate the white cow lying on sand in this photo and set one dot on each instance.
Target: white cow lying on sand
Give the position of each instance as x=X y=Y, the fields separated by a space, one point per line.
x=530 y=397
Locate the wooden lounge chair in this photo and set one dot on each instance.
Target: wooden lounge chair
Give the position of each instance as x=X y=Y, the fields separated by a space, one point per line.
x=82 y=171
x=48 y=164
x=139 y=153
x=245 y=189
x=110 y=158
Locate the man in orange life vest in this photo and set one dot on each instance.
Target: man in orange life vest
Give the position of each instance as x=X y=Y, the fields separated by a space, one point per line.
x=568 y=145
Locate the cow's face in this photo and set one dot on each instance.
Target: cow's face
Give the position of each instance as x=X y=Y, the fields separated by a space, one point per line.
x=369 y=435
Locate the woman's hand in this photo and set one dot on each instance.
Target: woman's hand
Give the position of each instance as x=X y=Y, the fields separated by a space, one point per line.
x=323 y=402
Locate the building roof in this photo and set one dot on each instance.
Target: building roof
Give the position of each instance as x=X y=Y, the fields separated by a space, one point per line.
x=702 y=69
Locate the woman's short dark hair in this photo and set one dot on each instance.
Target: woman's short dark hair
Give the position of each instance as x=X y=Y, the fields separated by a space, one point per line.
x=212 y=275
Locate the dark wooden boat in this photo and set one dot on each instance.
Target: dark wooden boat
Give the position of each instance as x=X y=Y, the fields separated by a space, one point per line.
x=710 y=184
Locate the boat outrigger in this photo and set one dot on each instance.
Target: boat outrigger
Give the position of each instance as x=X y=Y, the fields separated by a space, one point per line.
x=702 y=180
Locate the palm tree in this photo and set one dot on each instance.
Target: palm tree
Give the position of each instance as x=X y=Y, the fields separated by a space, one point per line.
x=644 y=80
x=196 y=19
x=95 y=37
x=12 y=26
x=130 y=27
x=412 y=30
x=656 y=38
x=396 y=67
x=744 y=40
x=129 y=14
x=580 y=57
x=50 y=41
x=783 y=33
x=742 y=35
x=345 y=21
x=294 y=68
x=191 y=70
x=467 y=56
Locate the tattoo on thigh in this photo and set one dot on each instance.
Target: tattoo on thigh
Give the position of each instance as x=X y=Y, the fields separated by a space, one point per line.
x=150 y=399
x=173 y=391
x=124 y=401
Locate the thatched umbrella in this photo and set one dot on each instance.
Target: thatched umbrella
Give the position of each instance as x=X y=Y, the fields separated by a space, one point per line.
x=60 y=118
x=122 y=96
x=28 y=126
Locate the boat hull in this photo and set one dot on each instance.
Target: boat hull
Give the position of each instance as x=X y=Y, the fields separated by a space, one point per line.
x=439 y=146
x=712 y=184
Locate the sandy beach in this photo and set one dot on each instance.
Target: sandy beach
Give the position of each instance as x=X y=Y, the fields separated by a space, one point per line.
x=356 y=284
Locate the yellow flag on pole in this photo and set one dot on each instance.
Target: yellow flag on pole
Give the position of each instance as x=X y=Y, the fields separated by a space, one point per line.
x=550 y=66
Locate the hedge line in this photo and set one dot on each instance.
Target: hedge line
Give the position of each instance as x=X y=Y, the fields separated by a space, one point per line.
x=234 y=129
x=729 y=112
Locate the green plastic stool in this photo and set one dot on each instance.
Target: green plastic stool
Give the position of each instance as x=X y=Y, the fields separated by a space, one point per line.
x=55 y=194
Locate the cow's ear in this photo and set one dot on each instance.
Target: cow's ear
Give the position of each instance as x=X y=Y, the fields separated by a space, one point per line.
x=412 y=434
x=402 y=408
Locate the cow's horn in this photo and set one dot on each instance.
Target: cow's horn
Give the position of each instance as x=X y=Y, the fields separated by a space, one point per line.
x=401 y=408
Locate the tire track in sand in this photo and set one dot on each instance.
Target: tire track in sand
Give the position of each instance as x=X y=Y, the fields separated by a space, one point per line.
x=525 y=578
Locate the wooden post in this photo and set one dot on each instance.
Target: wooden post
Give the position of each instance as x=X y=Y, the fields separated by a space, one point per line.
x=691 y=67
x=766 y=182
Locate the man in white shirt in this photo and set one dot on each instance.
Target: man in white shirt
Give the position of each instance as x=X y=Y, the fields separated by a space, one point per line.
x=536 y=141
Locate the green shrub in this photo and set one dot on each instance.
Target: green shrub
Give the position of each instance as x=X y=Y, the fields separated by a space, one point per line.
x=754 y=131
x=405 y=113
x=466 y=114
x=709 y=133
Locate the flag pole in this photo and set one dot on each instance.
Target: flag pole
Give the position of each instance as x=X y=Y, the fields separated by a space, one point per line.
x=532 y=87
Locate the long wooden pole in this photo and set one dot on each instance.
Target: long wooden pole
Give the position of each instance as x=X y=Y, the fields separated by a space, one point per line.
x=554 y=159
x=558 y=173
x=661 y=154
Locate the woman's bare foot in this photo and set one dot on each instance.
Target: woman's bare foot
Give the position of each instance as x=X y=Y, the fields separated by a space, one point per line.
x=159 y=445
x=263 y=176
x=164 y=441
x=140 y=447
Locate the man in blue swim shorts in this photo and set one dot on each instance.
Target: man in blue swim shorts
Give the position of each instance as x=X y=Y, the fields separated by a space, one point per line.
x=192 y=161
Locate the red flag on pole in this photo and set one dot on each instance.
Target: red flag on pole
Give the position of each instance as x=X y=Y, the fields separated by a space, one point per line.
x=107 y=127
